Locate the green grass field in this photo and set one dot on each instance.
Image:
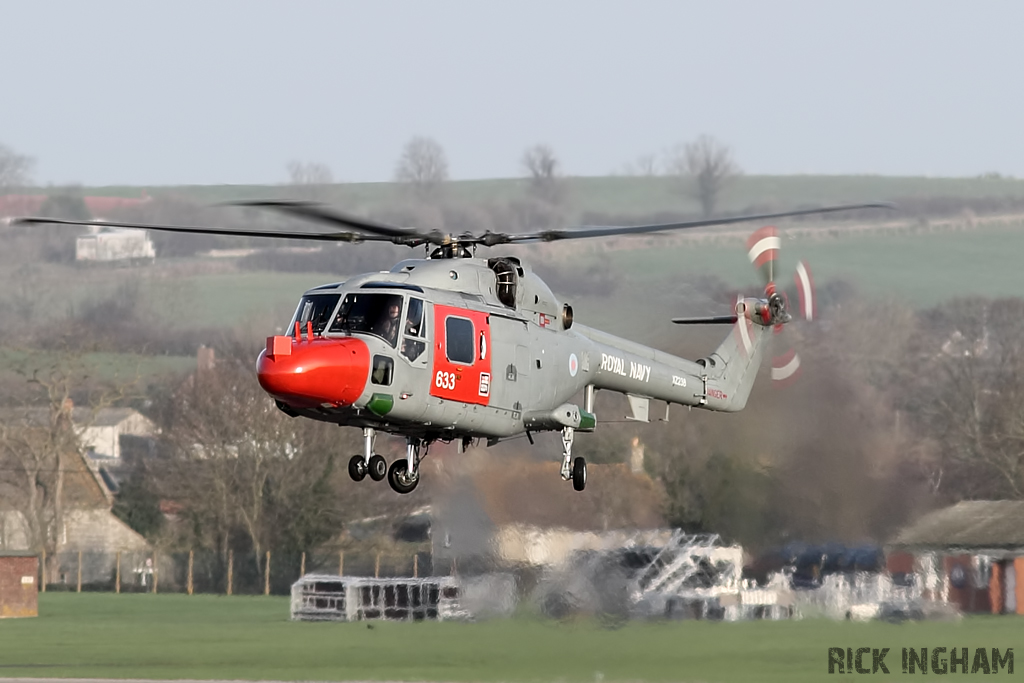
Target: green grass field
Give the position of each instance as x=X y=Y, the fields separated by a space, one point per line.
x=204 y=637
x=18 y=365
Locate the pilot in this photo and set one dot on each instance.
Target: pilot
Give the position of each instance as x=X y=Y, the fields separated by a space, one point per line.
x=388 y=327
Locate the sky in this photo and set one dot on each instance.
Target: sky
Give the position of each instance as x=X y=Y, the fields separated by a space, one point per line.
x=201 y=92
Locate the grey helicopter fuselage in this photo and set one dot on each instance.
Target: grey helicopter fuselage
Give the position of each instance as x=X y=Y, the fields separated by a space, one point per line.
x=456 y=347
x=477 y=348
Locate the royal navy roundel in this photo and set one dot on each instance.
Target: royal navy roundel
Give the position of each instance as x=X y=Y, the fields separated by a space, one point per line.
x=574 y=365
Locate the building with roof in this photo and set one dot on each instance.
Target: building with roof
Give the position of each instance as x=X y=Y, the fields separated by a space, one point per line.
x=102 y=432
x=114 y=244
x=99 y=244
x=86 y=527
x=970 y=554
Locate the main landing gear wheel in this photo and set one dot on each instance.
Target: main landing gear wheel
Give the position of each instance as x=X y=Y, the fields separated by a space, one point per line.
x=400 y=478
x=378 y=468
x=357 y=468
x=579 y=474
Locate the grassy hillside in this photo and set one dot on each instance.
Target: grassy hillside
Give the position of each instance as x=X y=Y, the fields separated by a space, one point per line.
x=625 y=195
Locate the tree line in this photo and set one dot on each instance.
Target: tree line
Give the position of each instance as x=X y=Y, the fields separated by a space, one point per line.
x=896 y=411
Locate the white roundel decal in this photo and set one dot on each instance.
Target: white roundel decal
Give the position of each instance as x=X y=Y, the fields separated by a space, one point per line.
x=574 y=365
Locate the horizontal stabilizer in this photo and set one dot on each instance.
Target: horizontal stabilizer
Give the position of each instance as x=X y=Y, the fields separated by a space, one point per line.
x=709 y=320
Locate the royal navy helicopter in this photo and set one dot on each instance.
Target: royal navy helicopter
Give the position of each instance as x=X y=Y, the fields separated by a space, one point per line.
x=455 y=347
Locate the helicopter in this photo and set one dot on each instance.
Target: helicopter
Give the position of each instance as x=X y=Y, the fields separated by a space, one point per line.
x=456 y=347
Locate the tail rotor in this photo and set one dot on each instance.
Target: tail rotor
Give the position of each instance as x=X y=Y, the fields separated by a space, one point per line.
x=772 y=310
x=763 y=250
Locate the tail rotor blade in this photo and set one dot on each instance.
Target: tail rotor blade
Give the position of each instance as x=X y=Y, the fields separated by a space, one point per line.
x=805 y=290
x=762 y=250
x=786 y=367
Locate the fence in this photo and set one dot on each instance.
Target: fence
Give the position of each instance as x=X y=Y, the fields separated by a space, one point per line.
x=205 y=571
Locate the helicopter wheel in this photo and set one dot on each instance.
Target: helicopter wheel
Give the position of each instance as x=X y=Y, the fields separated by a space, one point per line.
x=378 y=468
x=400 y=479
x=357 y=468
x=579 y=474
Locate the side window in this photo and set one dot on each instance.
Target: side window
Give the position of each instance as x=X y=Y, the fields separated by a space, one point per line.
x=414 y=321
x=383 y=370
x=460 y=346
x=413 y=345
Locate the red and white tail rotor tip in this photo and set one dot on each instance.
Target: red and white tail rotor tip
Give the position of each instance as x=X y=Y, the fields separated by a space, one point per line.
x=763 y=249
x=805 y=290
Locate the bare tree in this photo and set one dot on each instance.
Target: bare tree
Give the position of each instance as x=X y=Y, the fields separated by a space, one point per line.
x=542 y=168
x=310 y=180
x=968 y=392
x=706 y=166
x=423 y=166
x=309 y=173
x=15 y=169
x=242 y=468
x=647 y=165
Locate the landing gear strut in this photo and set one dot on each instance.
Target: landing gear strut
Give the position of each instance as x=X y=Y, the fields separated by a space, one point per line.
x=404 y=475
x=572 y=469
x=368 y=463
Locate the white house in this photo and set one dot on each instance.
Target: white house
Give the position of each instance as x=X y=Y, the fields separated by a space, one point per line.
x=115 y=244
x=101 y=432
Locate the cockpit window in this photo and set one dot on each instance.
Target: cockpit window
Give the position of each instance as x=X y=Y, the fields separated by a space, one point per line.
x=315 y=309
x=379 y=314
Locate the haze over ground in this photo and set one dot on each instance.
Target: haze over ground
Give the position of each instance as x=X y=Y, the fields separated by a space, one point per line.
x=116 y=92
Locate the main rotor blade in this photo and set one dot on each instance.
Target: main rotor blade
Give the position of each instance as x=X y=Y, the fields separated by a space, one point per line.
x=604 y=231
x=317 y=236
x=710 y=320
x=321 y=214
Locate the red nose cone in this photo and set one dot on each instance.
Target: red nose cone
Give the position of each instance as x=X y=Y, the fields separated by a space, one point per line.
x=308 y=374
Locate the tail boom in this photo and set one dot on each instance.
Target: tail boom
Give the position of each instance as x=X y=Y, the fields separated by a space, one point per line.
x=721 y=381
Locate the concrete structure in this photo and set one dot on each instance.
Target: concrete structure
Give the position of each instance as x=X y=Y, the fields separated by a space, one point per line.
x=18 y=585
x=970 y=554
x=524 y=545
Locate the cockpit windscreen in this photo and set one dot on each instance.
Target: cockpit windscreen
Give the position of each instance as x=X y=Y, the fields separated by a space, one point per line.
x=378 y=314
x=315 y=309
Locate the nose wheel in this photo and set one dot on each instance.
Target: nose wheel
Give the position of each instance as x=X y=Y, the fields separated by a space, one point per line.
x=378 y=467
x=357 y=468
x=368 y=463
